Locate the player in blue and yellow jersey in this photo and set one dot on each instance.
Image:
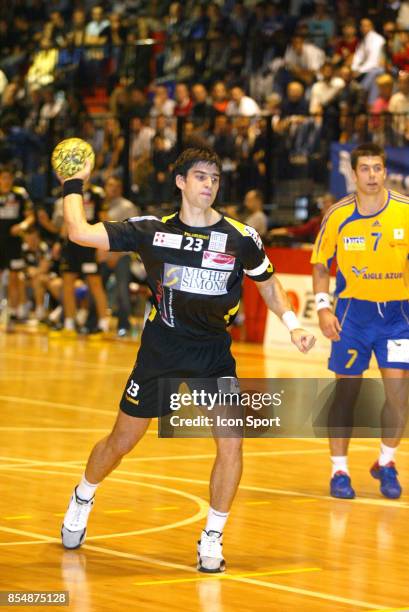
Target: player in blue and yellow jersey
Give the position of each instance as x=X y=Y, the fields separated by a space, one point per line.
x=368 y=234
x=195 y=260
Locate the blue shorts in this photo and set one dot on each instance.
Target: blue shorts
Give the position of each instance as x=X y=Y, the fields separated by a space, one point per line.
x=381 y=327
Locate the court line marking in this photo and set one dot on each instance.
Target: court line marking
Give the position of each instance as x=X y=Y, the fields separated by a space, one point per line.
x=200 y=514
x=281 y=492
x=229 y=576
x=395 y=610
x=60 y=405
x=57 y=429
x=152 y=561
x=286 y=492
x=81 y=462
x=67 y=362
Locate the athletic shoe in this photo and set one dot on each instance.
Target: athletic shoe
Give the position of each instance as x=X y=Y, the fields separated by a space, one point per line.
x=209 y=553
x=340 y=486
x=74 y=526
x=388 y=476
x=96 y=335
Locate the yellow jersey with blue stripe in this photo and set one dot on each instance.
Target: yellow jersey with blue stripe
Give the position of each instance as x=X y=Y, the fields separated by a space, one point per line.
x=371 y=250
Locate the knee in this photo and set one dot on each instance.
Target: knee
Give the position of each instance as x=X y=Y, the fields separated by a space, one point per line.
x=230 y=448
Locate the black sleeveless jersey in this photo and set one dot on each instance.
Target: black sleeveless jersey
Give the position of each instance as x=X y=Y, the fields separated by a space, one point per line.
x=195 y=273
x=14 y=206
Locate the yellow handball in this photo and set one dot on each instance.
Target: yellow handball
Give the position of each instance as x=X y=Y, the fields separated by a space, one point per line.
x=70 y=155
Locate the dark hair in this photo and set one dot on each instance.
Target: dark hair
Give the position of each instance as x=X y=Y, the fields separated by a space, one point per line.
x=367 y=149
x=192 y=156
x=7 y=169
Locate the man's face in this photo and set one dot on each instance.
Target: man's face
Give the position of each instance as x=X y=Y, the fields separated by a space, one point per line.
x=349 y=30
x=370 y=174
x=366 y=26
x=297 y=44
x=97 y=13
x=327 y=72
x=200 y=186
x=199 y=93
x=404 y=83
x=181 y=92
x=251 y=201
x=113 y=189
x=236 y=94
x=295 y=92
x=6 y=182
x=219 y=91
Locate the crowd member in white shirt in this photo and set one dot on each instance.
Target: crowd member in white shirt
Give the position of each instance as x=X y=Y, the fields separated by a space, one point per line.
x=162 y=104
x=368 y=58
x=301 y=62
x=399 y=106
x=324 y=91
x=240 y=104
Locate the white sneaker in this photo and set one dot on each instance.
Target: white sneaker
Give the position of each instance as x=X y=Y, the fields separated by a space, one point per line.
x=74 y=526
x=209 y=553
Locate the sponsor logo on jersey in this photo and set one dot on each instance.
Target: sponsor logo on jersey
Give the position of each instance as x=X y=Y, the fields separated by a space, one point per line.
x=217 y=242
x=196 y=280
x=364 y=275
x=192 y=235
x=398 y=233
x=165 y=305
x=358 y=272
x=219 y=261
x=376 y=224
x=171 y=241
x=354 y=243
x=255 y=235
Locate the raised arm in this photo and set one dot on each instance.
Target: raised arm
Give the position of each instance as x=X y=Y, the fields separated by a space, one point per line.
x=277 y=301
x=79 y=230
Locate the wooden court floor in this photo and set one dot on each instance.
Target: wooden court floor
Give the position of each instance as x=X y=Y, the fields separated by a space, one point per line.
x=288 y=545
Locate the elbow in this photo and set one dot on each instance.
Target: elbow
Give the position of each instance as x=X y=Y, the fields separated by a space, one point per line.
x=75 y=235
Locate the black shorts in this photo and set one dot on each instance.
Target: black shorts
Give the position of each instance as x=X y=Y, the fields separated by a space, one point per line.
x=164 y=354
x=11 y=256
x=78 y=259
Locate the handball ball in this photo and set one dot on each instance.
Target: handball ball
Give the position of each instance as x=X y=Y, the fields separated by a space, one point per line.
x=70 y=155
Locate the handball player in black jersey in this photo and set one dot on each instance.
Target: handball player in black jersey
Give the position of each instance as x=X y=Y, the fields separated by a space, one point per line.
x=195 y=260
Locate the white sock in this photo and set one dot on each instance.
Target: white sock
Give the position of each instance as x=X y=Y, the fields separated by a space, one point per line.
x=86 y=490
x=339 y=464
x=69 y=324
x=386 y=454
x=39 y=312
x=216 y=520
x=55 y=314
x=103 y=324
x=81 y=316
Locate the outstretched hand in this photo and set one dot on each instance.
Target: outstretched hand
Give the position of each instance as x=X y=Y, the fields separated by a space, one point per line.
x=303 y=339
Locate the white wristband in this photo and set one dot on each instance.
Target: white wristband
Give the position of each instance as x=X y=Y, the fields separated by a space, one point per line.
x=290 y=320
x=322 y=300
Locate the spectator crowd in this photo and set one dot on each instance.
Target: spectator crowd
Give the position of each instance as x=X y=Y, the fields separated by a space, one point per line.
x=269 y=85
